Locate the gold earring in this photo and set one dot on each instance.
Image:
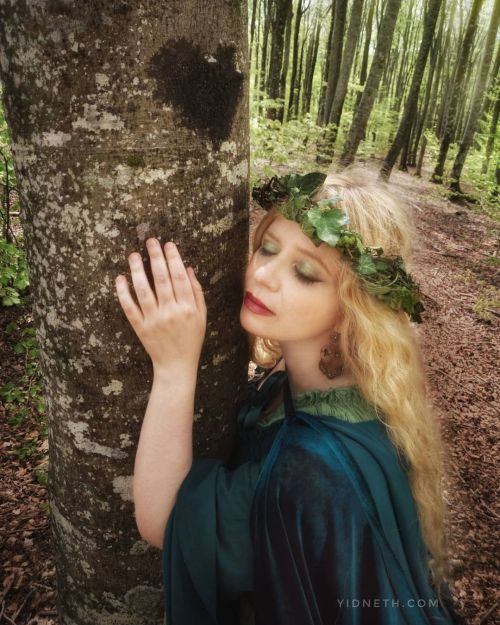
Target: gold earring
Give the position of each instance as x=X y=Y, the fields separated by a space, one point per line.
x=330 y=363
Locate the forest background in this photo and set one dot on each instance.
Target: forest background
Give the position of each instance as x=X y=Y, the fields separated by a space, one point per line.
x=393 y=84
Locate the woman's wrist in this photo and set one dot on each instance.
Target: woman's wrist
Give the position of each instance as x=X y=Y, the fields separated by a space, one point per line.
x=175 y=371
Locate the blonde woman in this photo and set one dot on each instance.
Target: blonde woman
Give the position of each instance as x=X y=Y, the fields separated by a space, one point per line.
x=330 y=509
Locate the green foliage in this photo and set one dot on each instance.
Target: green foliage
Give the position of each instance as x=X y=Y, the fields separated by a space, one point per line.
x=276 y=144
x=14 y=277
x=22 y=398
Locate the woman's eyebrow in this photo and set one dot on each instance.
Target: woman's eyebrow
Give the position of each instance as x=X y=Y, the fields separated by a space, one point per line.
x=300 y=249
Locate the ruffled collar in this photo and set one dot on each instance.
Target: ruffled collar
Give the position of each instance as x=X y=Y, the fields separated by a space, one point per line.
x=343 y=402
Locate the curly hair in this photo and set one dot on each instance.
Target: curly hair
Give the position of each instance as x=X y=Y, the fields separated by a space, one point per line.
x=380 y=347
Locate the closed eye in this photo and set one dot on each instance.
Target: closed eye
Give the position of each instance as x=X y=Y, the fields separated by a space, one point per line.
x=305 y=279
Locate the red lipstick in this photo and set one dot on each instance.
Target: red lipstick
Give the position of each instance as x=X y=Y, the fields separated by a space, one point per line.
x=255 y=305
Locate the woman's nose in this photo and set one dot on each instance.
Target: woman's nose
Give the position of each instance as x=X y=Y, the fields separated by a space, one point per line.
x=268 y=275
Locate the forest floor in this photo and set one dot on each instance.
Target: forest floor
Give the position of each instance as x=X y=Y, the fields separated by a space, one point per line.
x=457 y=264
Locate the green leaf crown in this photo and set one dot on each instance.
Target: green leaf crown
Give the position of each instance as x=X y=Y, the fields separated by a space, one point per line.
x=323 y=221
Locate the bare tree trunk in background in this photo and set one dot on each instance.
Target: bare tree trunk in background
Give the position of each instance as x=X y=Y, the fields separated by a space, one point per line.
x=265 y=39
x=345 y=72
x=252 y=31
x=295 y=58
x=477 y=101
x=457 y=88
x=310 y=65
x=335 y=56
x=493 y=127
x=362 y=114
x=366 y=49
x=286 y=63
x=126 y=123
x=326 y=69
x=433 y=76
x=279 y=13
x=410 y=109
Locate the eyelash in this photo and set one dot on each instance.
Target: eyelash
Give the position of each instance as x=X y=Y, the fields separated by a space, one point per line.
x=300 y=276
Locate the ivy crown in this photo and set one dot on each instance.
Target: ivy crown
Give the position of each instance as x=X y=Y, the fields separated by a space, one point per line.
x=382 y=276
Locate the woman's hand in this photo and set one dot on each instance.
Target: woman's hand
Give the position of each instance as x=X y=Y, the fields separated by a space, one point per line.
x=172 y=324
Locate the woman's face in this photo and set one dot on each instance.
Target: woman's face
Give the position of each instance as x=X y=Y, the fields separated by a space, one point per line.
x=296 y=281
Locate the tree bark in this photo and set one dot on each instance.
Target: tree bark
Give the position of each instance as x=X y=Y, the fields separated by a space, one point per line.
x=366 y=49
x=457 y=90
x=335 y=56
x=278 y=26
x=360 y=119
x=492 y=130
x=326 y=69
x=477 y=101
x=311 y=58
x=346 y=67
x=126 y=122
x=410 y=109
x=286 y=63
x=295 y=58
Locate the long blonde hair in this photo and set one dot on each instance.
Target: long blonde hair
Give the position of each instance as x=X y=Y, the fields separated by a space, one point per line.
x=380 y=347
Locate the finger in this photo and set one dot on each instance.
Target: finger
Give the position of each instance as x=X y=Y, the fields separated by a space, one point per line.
x=143 y=291
x=161 y=276
x=197 y=290
x=181 y=283
x=130 y=308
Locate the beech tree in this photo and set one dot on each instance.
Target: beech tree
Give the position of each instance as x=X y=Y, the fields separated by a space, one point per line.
x=450 y=117
x=410 y=109
x=362 y=113
x=477 y=101
x=127 y=122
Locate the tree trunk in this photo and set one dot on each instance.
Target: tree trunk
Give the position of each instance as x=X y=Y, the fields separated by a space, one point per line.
x=345 y=69
x=252 y=31
x=360 y=119
x=311 y=58
x=299 y=81
x=265 y=45
x=295 y=58
x=410 y=109
x=126 y=123
x=286 y=59
x=335 y=56
x=433 y=76
x=493 y=131
x=477 y=100
x=457 y=91
x=366 y=49
x=326 y=69
x=490 y=98
x=278 y=26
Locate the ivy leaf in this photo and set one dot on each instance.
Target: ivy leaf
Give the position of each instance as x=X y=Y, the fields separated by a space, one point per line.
x=366 y=266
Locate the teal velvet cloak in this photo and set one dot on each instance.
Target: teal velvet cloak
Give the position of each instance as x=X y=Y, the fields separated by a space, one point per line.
x=312 y=520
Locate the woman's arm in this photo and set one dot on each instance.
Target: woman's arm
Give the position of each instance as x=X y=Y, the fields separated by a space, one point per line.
x=170 y=323
x=164 y=454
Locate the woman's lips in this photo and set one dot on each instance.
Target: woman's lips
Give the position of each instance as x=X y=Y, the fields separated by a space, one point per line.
x=255 y=305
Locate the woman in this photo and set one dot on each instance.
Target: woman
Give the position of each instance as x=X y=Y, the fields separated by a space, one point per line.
x=330 y=509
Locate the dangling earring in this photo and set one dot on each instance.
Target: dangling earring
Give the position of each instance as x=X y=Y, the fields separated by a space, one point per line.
x=331 y=358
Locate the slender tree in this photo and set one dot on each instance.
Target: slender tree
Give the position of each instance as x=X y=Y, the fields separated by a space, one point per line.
x=366 y=49
x=122 y=132
x=279 y=12
x=310 y=65
x=346 y=67
x=295 y=57
x=335 y=56
x=360 y=119
x=408 y=117
x=477 y=100
x=457 y=90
